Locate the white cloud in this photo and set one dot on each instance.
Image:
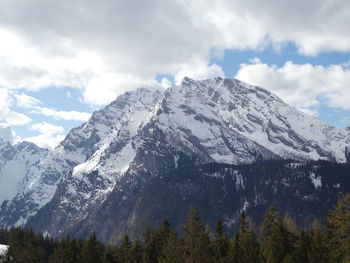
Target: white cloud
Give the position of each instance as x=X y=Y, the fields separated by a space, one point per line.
x=104 y=88
x=106 y=48
x=25 y=101
x=46 y=140
x=5 y=99
x=28 y=66
x=22 y=100
x=50 y=135
x=166 y=83
x=314 y=26
x=304 y=86
x=62 y=115
x=47 y=128
x=198 y=71
x=6 y=114
x=89 y=44
x=14 y=118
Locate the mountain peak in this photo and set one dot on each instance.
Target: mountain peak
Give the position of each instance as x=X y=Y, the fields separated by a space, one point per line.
x=28 y=145
x=186 y=81
x=7 y=134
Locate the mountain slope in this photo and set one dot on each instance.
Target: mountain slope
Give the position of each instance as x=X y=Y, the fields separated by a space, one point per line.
x=146 y=133
x=304 y=190
x=111 y=130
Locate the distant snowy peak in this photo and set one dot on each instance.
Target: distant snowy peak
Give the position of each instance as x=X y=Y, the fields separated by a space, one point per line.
x=7 y=134
x=15 y=174
x=254 y=113
x=82 y=142
x=112 y=130
x=6 y=152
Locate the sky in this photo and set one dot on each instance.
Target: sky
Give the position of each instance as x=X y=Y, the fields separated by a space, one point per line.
x=62 y=60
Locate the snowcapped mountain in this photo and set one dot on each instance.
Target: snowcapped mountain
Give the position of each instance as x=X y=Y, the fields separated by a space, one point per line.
x=214 y=109
x=101 y=167
x=19 y=176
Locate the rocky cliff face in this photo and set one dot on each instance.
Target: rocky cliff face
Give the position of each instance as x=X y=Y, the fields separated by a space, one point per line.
x=92 y=180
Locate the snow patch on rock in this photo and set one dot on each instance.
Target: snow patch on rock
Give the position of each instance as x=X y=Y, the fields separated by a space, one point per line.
x=317 y=182
x=3 y=249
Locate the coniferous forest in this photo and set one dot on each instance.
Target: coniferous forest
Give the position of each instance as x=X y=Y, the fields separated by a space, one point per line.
x=277 y=239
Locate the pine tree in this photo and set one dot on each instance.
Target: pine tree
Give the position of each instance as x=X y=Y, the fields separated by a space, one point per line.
x=16 y=244
x=162 y=236
x=110 y=255
x=338 y=228
x=249 y=246
x=192 y=228
x=266 y=231
x=172 y=250
x=92 y=251
x=277 y=240
x=64 y=252
x=290 y=259
x=3 y=236
x=319 y=251
x=302 y=249
x=290 y=225
x=124 y=252
x=67 y=251
x=137 y=250
x=149 y=250
x=33 y=250
x=154 y=241
x=202 y=251
x=49 y=245
x=233 y=253
x=220 y=243
x=77 y=247
x=24 y=246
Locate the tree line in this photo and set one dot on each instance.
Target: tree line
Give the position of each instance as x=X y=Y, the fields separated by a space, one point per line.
x=278 y=239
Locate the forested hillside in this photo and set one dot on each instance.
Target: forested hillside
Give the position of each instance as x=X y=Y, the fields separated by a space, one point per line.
x=305 y=190
x=276 y=239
